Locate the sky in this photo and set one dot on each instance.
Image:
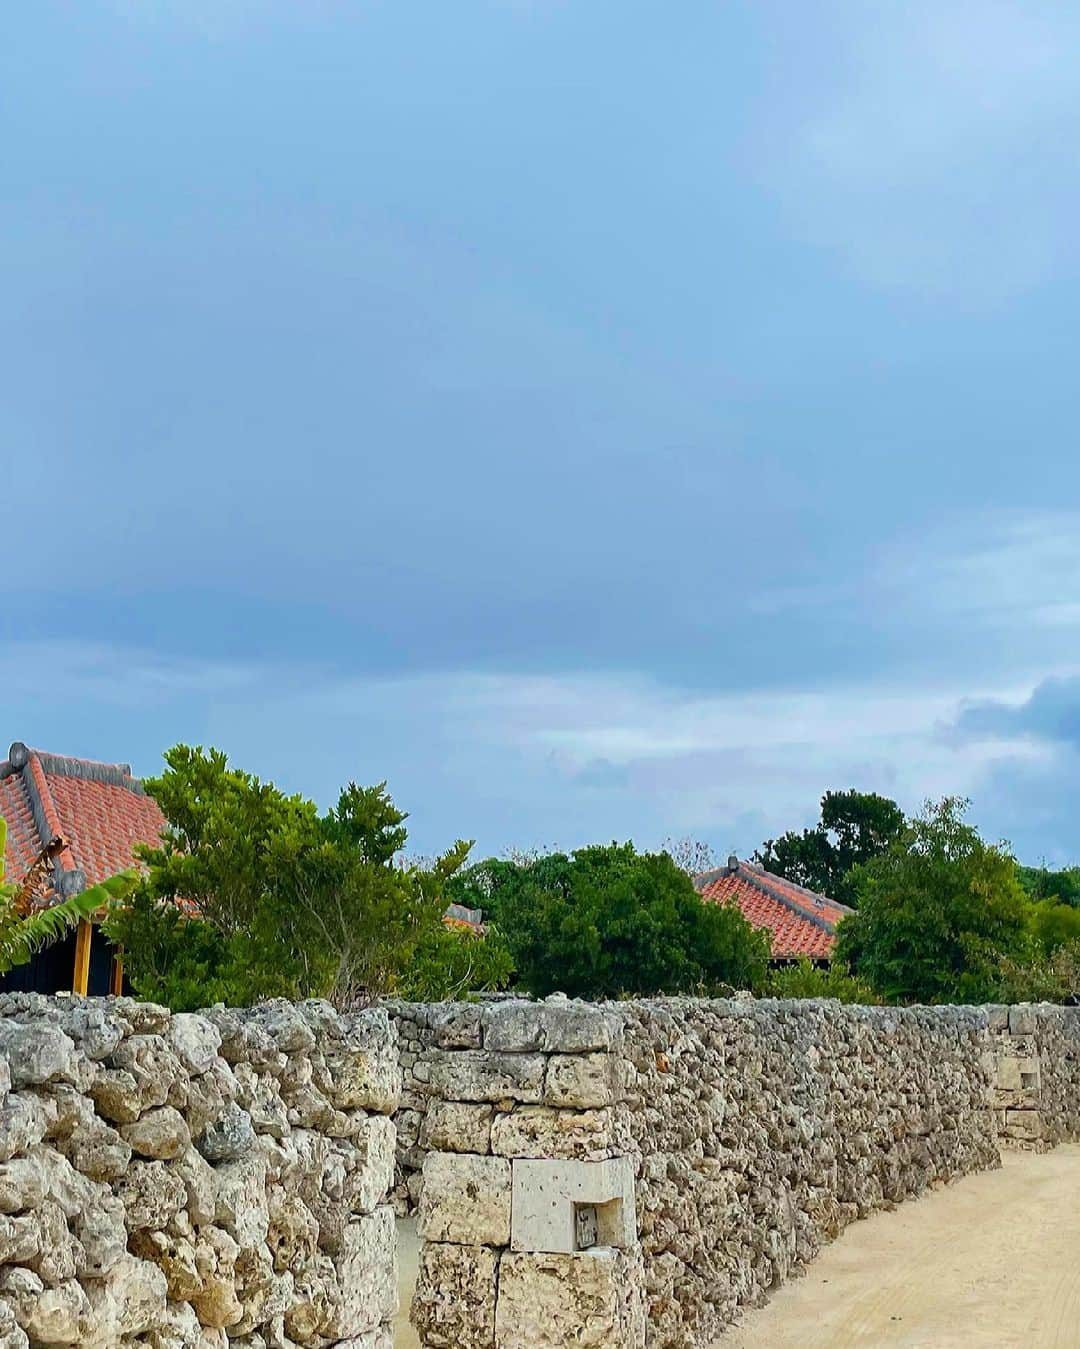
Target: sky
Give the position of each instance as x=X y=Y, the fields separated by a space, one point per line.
x=599 y=420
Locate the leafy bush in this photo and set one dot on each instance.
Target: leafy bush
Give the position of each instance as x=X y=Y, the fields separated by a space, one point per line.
x=938 y=913
x=606 y=921
x=289 y=902
x=452 y=962
x=804 y=979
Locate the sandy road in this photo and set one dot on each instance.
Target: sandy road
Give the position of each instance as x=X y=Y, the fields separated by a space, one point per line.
x=992 y=1262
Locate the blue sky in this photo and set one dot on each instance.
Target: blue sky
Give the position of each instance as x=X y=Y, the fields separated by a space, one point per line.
x=599 y=420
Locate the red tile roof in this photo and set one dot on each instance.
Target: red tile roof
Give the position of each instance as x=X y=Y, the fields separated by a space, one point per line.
x=100 y=809
x=800 y=921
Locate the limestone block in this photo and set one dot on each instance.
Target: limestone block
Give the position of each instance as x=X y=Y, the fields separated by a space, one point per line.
x=465 y=1199
x=243 y=1207
x=371 y=1153
x=56 y=1315
x=361 y=1064
x=454 y=1302
x=554 y=1026
x=229 y=1137
x=22 y=1123
x=22 y=1184
x=200 y=1183
x=581 y=1080
x=593 y=1298
x=39 y=1053
x=1026 y=1125
x=97 y=1151
x=456 y=1025
x=151 y=1195
x=12 y=1335
x=457 y=1126
x=547 y=1197
x=195 y=1041
x=130 y=1301
x=543 y=1131
x=366 y=1267
x=1023 y=1019
x=474 y=1075
x=160 y=1134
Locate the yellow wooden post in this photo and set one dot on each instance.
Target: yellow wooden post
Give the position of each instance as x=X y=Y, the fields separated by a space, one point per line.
x=82 y=956
x=116 y=982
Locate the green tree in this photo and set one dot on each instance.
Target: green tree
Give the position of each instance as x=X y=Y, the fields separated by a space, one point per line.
x=606 y=921
x=452 y=962
x=253 y=894
x=937 y=913
x=854 y=827
x=1060 y=886
x=24 y=931
x=804 y=979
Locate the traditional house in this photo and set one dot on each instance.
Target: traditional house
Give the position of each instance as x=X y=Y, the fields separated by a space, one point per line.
x=800 y=922
x=76 y=822
x=83 y=819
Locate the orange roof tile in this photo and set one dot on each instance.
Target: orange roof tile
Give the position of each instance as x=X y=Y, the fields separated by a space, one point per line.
x=800 y=921
x=100 y=809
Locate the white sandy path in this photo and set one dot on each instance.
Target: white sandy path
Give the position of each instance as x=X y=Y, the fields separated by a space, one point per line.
x=992 y=1262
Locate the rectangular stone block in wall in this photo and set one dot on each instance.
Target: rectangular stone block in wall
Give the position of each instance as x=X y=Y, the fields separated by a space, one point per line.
x=548 y=1301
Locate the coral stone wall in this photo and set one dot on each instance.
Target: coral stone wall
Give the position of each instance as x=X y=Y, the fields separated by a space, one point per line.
x=1036 y=1092
x=752 y=1132
x=761 y=1129
x=195 y=1181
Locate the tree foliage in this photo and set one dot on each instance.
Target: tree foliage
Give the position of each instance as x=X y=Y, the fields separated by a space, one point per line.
x=854 y=827
x=453 y=962
x=253 y=893
x=804 y=979
x=1062 y=887
x=24 y=932
x=607 y=921
x=938 y=913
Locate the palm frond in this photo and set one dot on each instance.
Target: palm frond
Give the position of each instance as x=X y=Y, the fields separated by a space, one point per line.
x=22 y=936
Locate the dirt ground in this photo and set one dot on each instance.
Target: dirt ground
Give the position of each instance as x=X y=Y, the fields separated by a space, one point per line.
x=992 y=1262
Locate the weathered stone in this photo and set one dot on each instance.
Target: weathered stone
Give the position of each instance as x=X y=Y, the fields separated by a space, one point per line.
x=556 y=1026
x=454 y=1303
x=97 y=1151
x=195 y=1041
x=38 y=1053
x=151 y=1195
x=475 y=1075
x=200 y=1183
x=548 y=1301
x=160 y=1134
x=457 y=1126
x=366 y=1268
x=130 y=1301
x=361 y=1064
x=465 y=1199
x=543 y=1131
x=581 y=1081
x=229 y=1137
x=23 y=1122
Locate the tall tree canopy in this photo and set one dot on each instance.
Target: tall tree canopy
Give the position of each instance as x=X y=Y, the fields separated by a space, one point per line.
x=253 y=893
x=938 y=913
x=605 y=921
x=854 y=827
